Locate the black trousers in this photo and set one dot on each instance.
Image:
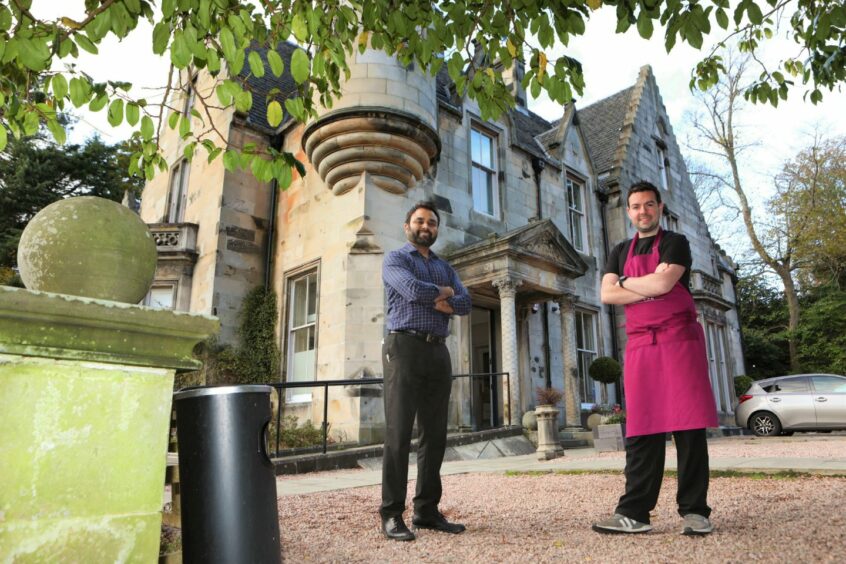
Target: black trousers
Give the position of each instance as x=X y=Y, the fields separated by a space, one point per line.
x=645 y=472
x=418 y=380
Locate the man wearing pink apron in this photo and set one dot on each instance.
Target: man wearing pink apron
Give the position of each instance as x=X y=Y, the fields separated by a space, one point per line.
x=666 y=370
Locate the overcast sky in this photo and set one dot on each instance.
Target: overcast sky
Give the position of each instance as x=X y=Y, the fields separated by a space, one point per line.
x=611 y=63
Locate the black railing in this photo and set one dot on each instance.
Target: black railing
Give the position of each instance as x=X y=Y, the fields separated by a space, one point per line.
x=326 y=384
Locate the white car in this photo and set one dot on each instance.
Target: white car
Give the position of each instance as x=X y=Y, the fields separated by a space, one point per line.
x=800 y=402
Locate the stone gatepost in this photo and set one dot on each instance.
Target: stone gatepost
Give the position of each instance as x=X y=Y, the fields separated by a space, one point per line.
x=85 y=396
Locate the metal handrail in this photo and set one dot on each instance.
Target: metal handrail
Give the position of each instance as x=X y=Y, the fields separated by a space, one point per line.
x=326 y=384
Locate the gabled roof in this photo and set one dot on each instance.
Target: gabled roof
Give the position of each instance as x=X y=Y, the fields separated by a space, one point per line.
x=257 y=116
x=601 y=124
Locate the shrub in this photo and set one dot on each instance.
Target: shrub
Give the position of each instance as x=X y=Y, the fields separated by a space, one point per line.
x=605 y=370
x=292 y=436
x=741 y=384
x=619 y=417
x=548 y=396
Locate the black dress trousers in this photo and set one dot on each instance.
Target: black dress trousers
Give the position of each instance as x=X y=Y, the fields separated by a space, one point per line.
x=418 y=380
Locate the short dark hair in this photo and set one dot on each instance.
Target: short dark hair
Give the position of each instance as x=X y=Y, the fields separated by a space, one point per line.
x=426 y=206
x=643 y=186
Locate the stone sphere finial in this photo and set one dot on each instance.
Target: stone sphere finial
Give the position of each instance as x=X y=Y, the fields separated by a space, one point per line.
x=88 y=246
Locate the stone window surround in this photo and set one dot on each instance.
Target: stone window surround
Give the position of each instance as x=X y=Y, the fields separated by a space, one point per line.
x=571 y=176
x=583 y=309
x=496 y=135
x=182 y=171
x=159 y=284
x=288 y=276
x=663 y=161
x=190 y=96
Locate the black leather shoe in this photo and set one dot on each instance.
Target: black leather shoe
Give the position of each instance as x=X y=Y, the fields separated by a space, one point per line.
x=437 y=523
x=395 y=529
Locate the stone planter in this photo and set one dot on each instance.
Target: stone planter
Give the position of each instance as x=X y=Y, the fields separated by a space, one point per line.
x=609 y=438
x=549 y=446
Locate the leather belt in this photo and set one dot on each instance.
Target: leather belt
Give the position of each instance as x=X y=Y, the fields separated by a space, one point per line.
x=428 y=337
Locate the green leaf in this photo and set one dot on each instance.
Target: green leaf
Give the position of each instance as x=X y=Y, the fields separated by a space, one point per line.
x=284 y=176
x=180 y=52
x=34 y=53
x=116 y=112
x=231 y=160
x=256 y=64
x=132 y=113
x=147 y=128
x=277 y=65
x=722 y=18
x=173 y=120
x=98 y=103
x=299 y=26
x=754 y=13
x=161 y=36
x=274 y=113
x=212 y=61
x=79 y=91
x=184 y=126
x=60 y=85
x=86 y=44
x=227 y=42
x=244 y=101
x=299 y=66
x=57 y=130
x=644 y=25
x=4 y=137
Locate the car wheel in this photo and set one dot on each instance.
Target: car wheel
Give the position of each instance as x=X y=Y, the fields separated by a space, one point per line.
x=765 y=424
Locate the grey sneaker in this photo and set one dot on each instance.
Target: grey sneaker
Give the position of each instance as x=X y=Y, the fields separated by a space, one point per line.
x=617 y=524
x=696 y=525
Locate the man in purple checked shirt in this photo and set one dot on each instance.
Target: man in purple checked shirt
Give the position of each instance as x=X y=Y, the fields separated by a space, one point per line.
x=423 y=293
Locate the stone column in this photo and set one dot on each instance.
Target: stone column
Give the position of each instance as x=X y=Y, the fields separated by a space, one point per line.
x=572 y=393
x=507 y=288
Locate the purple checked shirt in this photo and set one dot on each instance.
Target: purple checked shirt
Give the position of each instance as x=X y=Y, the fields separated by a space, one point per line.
x=411 y=283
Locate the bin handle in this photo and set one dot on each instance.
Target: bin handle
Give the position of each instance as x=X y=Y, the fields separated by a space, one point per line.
x=263 y=450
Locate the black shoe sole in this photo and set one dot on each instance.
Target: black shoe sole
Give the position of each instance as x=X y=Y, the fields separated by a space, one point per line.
x=437 y=529
x=397 y=538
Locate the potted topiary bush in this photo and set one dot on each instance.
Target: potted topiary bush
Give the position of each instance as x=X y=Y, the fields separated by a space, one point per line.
x=547 y=416
x=605 y=370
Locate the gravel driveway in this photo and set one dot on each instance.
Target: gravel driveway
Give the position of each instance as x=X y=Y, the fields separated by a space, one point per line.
x=547 y=518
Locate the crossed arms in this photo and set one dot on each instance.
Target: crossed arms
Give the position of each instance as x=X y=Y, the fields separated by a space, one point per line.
x=450 y=299
x=638 y=288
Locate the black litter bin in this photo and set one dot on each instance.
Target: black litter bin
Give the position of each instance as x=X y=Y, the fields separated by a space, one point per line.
x=227 y=480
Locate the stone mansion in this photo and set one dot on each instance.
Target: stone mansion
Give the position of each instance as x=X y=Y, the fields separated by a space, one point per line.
x=529 y=211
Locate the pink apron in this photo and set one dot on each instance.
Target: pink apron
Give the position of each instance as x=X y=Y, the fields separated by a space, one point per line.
x=666 y=372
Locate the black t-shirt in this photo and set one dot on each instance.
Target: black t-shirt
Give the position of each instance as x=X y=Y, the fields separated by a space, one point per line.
x=674 y=249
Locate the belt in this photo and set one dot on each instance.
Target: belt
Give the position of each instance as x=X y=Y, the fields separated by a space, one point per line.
x=428 y=337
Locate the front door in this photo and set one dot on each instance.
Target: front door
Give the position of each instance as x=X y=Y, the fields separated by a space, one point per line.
x=484 y=389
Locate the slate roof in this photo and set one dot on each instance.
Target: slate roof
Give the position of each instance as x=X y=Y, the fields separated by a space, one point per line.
x=525 y=127
x=601 y=123
x=257 y=116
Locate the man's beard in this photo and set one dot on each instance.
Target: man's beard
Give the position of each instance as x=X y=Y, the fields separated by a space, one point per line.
x=415 y=237
x=646 y=229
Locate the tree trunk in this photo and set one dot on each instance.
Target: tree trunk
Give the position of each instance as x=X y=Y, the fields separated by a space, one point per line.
x=793 y=322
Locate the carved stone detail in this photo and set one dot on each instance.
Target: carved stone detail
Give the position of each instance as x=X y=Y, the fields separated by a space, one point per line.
x=392 y=148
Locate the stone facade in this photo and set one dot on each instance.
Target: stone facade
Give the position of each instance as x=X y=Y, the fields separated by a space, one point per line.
x=530 y=250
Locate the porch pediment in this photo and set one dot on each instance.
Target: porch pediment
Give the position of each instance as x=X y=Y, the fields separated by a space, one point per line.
x=537 y=254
